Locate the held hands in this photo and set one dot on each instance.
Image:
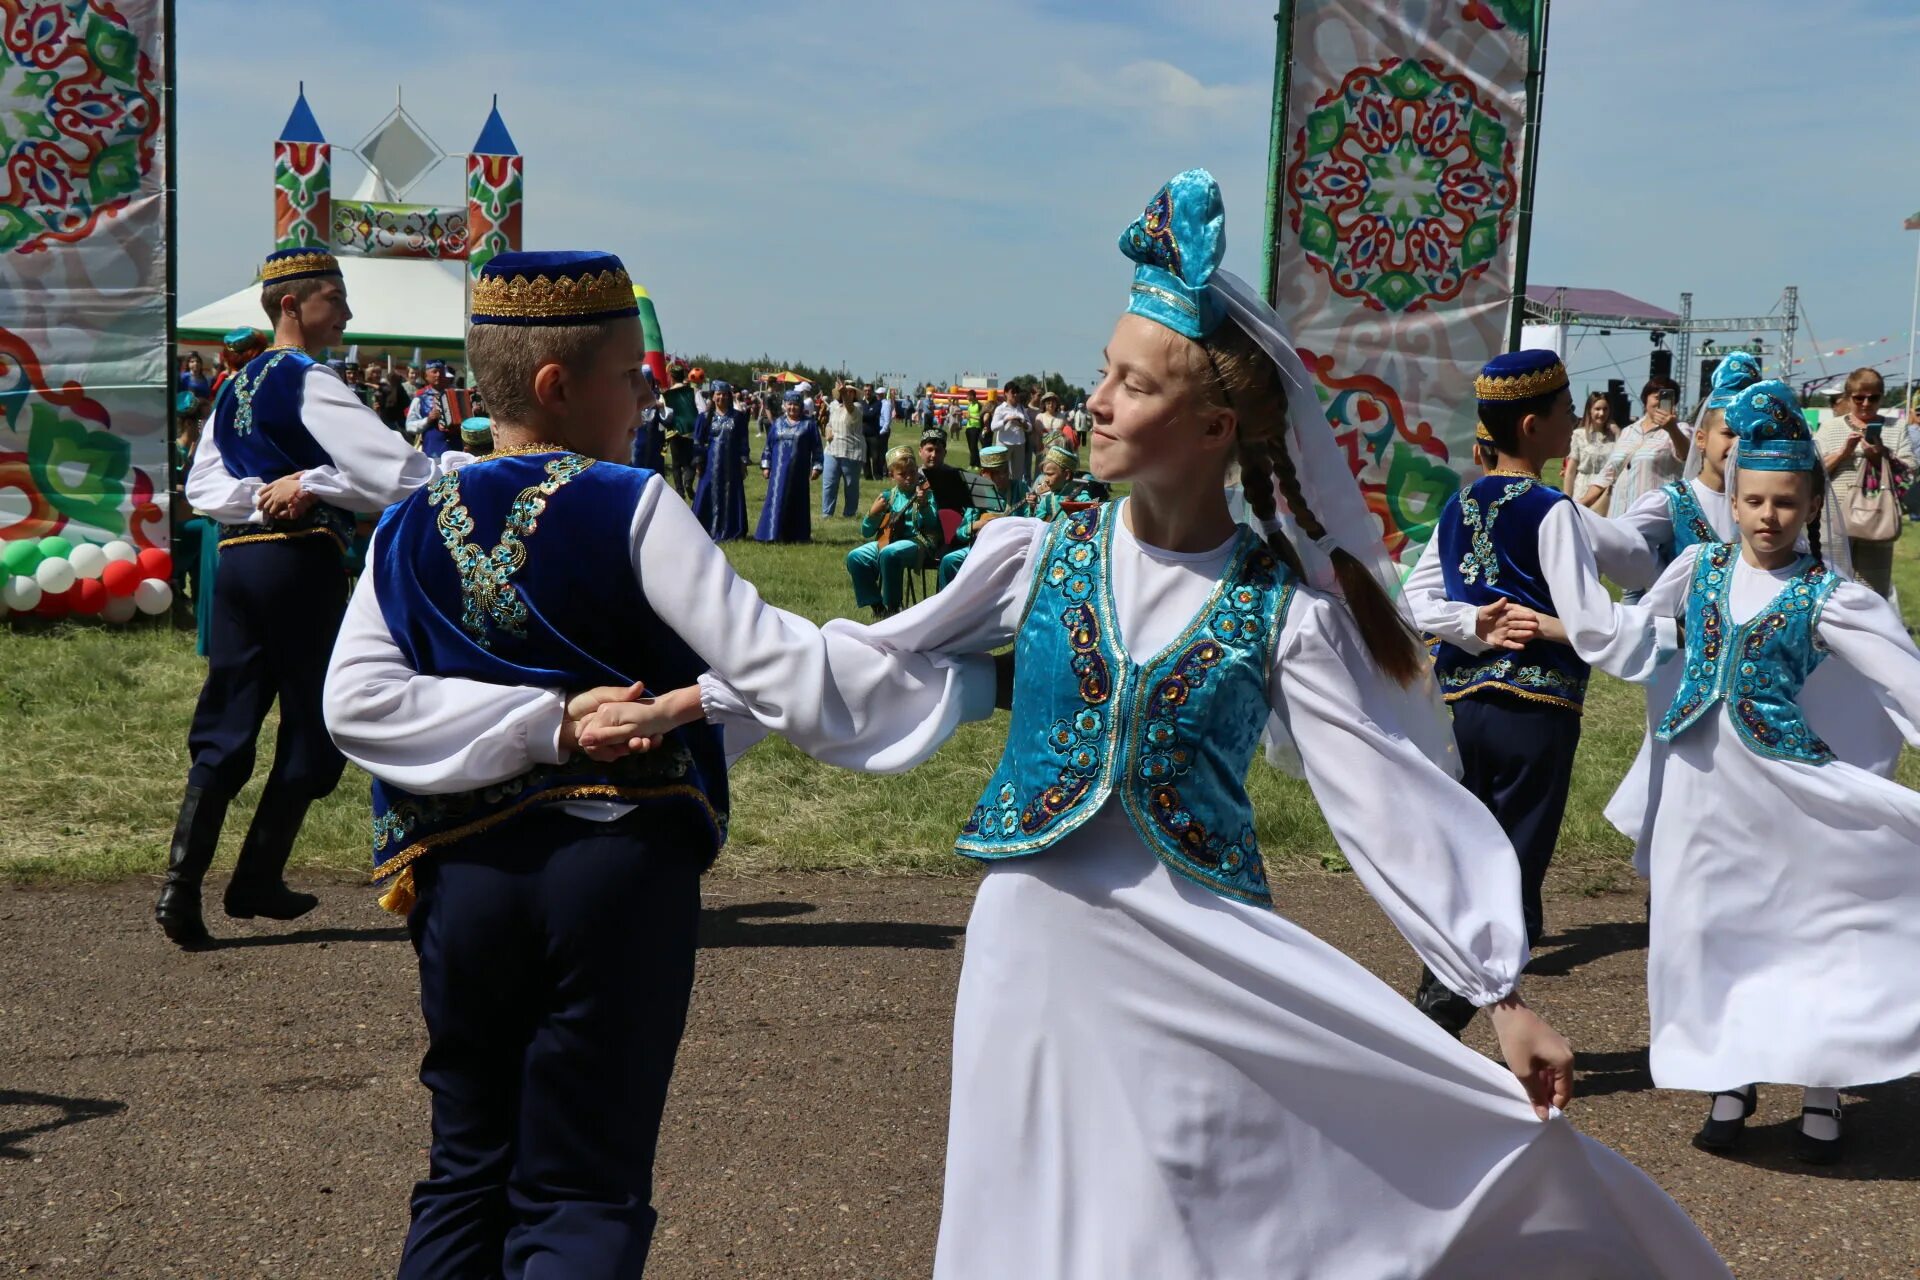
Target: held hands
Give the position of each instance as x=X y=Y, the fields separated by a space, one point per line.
x=284 y=499
x=1506 y=625
x=1540 y=1057
x=582 y=705
x=617 y=728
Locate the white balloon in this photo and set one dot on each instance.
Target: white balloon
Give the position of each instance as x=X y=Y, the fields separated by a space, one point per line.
x=120 y=551
x=87 y=560
x=55 y=574
x=153 y=595
x=21 y=593
x=119 y=609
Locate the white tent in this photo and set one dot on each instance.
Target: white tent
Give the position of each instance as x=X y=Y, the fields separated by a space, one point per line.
x=397 y=302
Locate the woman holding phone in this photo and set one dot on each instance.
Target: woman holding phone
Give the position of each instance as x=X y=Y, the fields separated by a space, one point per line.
x=1647 y=454
x=1856 y=449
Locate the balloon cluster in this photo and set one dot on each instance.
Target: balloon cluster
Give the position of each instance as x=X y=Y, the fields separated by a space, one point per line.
x=52 y=577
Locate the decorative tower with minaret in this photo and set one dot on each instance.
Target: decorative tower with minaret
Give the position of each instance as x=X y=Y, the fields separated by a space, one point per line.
x=303 y=182
x=493 y=194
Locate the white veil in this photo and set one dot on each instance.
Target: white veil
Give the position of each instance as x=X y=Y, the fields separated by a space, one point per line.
x=1328 y=487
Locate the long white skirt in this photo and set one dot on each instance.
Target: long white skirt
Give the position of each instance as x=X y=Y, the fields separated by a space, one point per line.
x=1152 y=1081
x=1785 y=940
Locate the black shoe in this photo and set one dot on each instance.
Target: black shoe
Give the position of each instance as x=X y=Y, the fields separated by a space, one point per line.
x=1721 y=1135
x=1449 y=1010
x=196 y=834
x=256 y=888
x=1814 y=1150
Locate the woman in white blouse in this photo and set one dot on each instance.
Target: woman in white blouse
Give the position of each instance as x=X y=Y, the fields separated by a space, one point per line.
x=1648 y=453
x=1593 y=442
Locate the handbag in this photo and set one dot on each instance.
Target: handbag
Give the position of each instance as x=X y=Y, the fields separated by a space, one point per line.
x=1873 y=509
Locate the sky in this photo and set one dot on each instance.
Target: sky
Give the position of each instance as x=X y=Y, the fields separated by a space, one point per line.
x=924 y=190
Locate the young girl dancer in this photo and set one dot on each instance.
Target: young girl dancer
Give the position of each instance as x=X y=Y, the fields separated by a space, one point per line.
x=1769 y=961
x=1154 y=1074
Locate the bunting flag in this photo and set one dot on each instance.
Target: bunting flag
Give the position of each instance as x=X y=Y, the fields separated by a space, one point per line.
x=85 y=376
x=1399 y=175
x=1913 y=222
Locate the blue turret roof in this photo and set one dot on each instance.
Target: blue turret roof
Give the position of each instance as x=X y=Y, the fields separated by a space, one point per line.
x=494 y=140
x=301 y=126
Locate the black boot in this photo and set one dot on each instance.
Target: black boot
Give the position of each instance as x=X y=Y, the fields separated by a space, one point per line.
x=1449 y=1010
x=256 y=888
x=196 y=834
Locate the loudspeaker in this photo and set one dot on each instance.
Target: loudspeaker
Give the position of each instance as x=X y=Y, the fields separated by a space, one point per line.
x=1708 y=368
x=1660 y=365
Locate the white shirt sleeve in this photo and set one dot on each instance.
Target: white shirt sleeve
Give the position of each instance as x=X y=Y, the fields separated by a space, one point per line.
x=843 y=693
x=373 y=467
x=1446 y=878
x=216 y=494
x=1864 y=631
x=416 y=416
x=1627 y=548
x=429 y=734
x=1433 y=612
x=1627 y=640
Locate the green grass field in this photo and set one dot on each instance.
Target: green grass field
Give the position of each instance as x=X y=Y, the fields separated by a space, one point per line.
x=93 y=727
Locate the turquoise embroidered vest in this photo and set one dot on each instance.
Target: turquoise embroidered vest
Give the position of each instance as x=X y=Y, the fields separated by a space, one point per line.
x=1756 y=668
x=1172 y=736
x=257 y=426
x=1691 y=528
x=1489 y=538
x=517 y=570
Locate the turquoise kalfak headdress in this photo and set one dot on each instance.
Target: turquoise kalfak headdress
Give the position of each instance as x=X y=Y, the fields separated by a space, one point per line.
x=1179 y=242
x=1773 y=432
x=1735 y=374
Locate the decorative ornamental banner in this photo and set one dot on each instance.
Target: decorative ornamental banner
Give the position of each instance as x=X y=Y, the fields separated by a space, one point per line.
x=85 y=380
x=1400 y=147
x=399 y=230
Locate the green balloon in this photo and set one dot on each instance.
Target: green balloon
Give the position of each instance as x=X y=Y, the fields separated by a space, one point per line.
x=55 y=545
x=20 y=557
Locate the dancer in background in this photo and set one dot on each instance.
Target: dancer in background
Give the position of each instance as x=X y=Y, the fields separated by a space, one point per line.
x=290 y=457
x=1785 y=937
x=650 y=436
x=720 y=437
x=1153 y=1073
x=430 y=416
x=790 y=462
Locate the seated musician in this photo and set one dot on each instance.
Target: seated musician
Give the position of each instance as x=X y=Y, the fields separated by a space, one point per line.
x=904 y=532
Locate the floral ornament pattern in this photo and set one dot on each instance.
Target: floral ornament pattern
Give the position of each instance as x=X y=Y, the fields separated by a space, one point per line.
x=1481 y=560
x=1403 y=185
x=489 y=598
x=79 y=120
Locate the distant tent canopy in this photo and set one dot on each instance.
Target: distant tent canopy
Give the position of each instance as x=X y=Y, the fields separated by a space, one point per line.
x=396 y=302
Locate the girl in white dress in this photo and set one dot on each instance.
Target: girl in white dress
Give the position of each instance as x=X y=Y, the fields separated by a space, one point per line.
x=1154 y=1074
x=1786 y=934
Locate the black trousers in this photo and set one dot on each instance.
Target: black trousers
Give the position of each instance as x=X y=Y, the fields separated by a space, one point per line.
x=1517 y=757
x=680 y=462
x=556 y=962
x=973 y=446
x=876 y=447
x=277 y=607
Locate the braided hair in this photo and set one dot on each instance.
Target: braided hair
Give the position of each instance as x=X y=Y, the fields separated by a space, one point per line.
x=1245 y=380
x=1815 y=502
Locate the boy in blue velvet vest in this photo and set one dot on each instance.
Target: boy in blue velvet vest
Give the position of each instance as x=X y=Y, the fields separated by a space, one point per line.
x=290 y=457
x=1500 y=652
x=552 y=897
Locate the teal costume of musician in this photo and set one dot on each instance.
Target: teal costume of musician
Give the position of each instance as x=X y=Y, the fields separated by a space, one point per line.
x=879 y=573
x=1170 y=736
x=996 y=502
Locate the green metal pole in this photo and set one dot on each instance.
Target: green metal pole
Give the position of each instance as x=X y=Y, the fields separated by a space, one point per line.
x=1277 y=147
x=1529 y=162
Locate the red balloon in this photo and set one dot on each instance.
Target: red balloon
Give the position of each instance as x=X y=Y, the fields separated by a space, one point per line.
x=54 y=606
x=120 y=577
x=89 y=596
x=155 y=563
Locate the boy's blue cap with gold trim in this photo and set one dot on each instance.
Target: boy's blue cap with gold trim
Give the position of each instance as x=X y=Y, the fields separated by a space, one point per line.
x=1735 y=374
x=1179 y=242
x=1773 y=432
x=283 y=265
x=561 y=287
x=1519 y=375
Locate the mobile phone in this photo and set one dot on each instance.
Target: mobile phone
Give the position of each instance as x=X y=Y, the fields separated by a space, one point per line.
x=1872 y=433
x=1668 y=400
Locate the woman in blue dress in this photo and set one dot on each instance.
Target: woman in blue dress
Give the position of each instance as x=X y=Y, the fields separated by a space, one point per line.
x=790 y=461
x=720 y=437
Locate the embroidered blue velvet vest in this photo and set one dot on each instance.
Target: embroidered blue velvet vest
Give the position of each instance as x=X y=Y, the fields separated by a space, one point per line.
x=1691 y=527
x=516 y=570
x=257 y=428
x=1490 y=550
x=1171 y=736
x=1757 y=668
